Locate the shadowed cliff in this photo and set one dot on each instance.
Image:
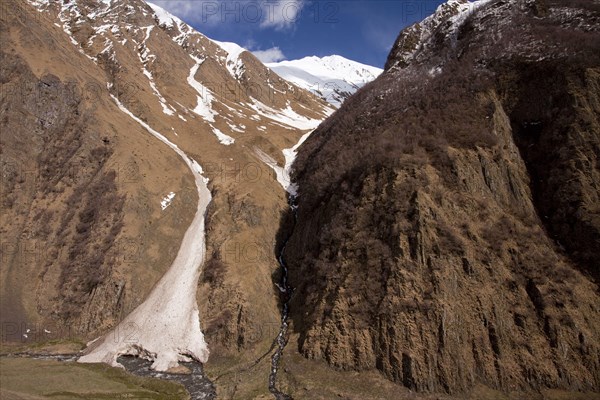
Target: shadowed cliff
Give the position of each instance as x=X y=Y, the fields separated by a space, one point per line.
x=449 y=219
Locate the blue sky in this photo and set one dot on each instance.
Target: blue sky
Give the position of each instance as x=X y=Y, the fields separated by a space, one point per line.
x=361 y=30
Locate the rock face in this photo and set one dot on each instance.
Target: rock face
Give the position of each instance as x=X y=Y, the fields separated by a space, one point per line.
x=449 y=219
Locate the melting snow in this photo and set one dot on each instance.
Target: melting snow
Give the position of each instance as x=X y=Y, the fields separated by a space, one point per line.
x=452 y=13
x=290 y=156
x=205 y=97
x=166 y=201
x=283 y=173
x=145 y=58
x=236 y=128
x=164 y=18
x=286 y=116
x=223 y=138
x=165 y=328
x=280 y=174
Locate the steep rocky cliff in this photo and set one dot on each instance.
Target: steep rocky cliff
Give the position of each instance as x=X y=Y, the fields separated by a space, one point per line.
x=448 y=213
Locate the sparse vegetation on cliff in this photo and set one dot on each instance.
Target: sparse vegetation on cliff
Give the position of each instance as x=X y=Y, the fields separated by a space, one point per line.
x=454 y=202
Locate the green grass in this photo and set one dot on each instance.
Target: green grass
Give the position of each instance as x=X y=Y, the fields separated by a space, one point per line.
x=28 y=379
x=53 y=346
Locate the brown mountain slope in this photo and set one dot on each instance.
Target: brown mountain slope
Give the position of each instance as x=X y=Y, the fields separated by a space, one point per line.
x=84 y=236
x=448 y=219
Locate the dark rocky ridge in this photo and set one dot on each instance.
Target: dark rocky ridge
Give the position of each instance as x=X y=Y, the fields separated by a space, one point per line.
x=448 y=218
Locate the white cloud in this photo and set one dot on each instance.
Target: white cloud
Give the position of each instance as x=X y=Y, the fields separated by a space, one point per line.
x=281 y=14
x=273 y=54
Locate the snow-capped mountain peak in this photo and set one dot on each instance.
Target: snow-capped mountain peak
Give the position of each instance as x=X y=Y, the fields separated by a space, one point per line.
x=334 y=78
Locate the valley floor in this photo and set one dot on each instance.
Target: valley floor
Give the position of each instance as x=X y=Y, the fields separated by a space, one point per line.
x=28 y=379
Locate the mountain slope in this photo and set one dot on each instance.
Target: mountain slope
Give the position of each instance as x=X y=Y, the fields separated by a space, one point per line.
x=333 y=78
x=448 y=213
x=95 y=207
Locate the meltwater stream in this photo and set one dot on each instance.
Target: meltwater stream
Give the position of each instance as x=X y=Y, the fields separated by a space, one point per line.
x=286 y=294
x=196 y=383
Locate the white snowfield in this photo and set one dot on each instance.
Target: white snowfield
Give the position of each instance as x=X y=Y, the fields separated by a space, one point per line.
x=333 y=77
x=165 y=328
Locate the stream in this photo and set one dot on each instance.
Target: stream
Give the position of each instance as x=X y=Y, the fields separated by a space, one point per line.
x=286 y=294
x=196 y=383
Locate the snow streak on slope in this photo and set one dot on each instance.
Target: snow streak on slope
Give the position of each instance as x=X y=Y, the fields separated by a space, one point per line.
x=282 y=174
x=333 y=78
x=204 y=106
x=165 y=328
x=146 y=58
x=166 y=201
x=223 y=138
x=205 y=97
x=287 y=116
x=290 y=156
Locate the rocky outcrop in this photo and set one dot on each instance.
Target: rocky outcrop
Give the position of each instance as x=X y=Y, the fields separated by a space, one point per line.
x=448 y=213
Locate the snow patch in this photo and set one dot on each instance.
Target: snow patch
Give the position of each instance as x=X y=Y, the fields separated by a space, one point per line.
x=236 y=128
x=166 y=201
x=164 y=17
x=223 y=138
